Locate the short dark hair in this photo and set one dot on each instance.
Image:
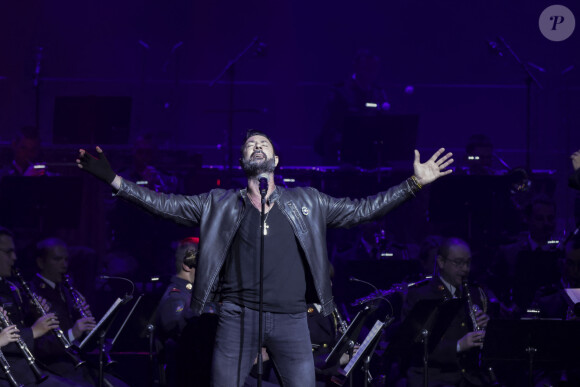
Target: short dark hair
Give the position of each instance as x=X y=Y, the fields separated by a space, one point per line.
x=45 y=245
x=477 y=141
x=448 y=243
x=255 y=132
x=5 y=231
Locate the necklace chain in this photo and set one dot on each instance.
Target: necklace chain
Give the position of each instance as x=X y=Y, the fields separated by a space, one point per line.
x=266 y=227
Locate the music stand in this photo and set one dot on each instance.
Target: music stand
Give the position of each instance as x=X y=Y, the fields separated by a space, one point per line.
x=348 y=338
x=365 y=351
x=425 y=324
x=103 y=327
x=539 y=341
x=369 y=141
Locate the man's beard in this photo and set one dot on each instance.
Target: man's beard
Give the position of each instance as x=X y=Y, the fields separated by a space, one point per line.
x=254 y=168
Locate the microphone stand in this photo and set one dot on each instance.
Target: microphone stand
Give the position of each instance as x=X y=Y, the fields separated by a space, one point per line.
x=529 y=80
x=36 y=83
x=263 y=184
x=230 y=70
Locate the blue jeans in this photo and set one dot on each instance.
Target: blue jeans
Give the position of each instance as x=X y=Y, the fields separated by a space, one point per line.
x=286 y=337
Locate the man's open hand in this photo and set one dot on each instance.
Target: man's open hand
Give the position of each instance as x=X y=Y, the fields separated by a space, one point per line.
x=433 y=168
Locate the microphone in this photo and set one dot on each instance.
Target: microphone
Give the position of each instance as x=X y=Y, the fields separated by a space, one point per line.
x=353 y=279
x=263 y=181
x=128 y=296
x=540 y=69
x=260 y=48
x=38 y=62
x=495 y=47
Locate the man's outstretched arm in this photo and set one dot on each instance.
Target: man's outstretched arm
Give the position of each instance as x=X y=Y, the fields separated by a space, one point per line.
x=181 y=209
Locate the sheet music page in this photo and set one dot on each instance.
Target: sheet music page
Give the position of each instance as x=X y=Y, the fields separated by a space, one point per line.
x=105 y=317
x=573 y=295
x=364 y=345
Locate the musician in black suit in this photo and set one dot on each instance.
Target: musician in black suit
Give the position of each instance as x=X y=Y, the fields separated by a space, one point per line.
x=73 y=312
x=11 y=301
x=453 y=361
x=552 y=302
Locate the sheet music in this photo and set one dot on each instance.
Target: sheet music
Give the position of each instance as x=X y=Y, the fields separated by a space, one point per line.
x=376 y=328
x=105 y=317
x=573 y=295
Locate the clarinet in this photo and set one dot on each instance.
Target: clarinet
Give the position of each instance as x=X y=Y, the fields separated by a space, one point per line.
x=79 y=301
x=342 y=325
x=5 y=321
x=58 y=333
x=6 y=368
x=473 y=309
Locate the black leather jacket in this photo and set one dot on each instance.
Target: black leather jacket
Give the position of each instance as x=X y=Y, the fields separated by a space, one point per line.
x=220 y=212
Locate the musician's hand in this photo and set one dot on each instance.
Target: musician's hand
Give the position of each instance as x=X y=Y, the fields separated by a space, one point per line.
x=345 y=358
x=9 y=335
x=42 y=301
x=471 y=340
x=83 y=325
x=265 y=356
x=481 y=318
x=44 y=324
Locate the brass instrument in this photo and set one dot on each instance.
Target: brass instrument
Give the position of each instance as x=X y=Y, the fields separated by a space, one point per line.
x=473 y=309
x=6 y=368
x=58 y=333
x=79 y=300
x=5 y=321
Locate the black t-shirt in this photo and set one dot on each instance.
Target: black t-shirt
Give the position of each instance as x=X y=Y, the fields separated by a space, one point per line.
x=284 y=266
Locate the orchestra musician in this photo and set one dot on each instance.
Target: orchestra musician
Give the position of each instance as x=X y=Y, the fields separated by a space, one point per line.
x=454 y=360
x=187 y=340
x=52 y=284
x=19 y=354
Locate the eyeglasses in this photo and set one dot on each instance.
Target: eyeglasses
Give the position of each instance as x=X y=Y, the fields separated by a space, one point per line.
x=460 y=262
